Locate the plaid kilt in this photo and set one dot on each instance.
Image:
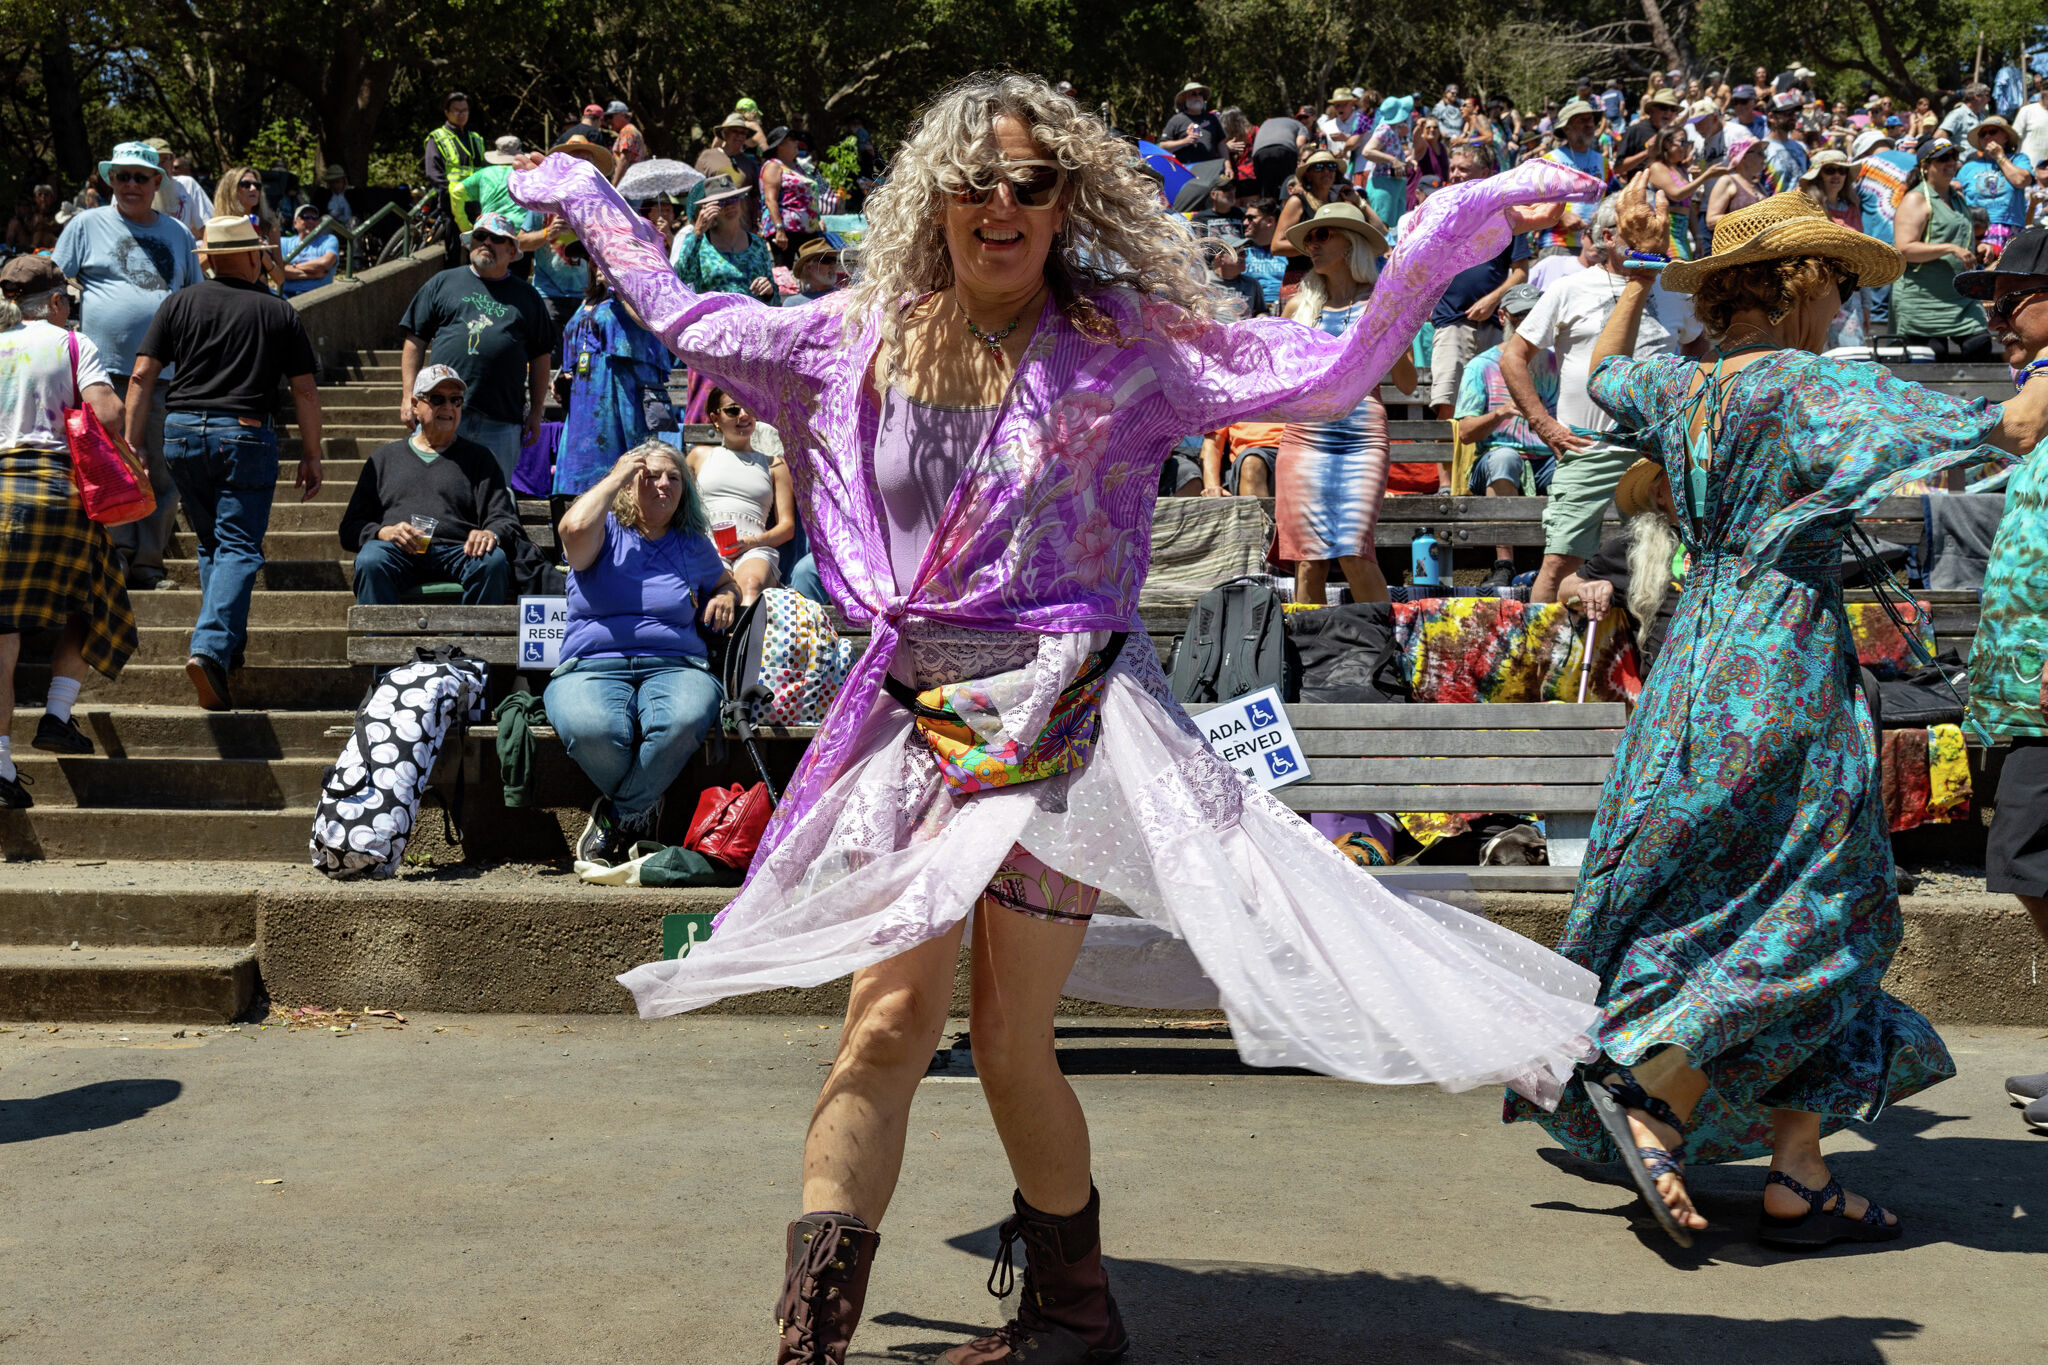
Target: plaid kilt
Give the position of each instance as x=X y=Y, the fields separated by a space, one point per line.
x=55 y=562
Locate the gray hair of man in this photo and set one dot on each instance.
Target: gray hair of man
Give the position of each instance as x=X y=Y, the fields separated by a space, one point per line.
x=1607 y=221
x=1652 y=544
x=1478 y=153
x=27 y=308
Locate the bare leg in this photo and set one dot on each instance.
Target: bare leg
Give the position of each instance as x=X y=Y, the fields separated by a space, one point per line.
x=1362 y=573
x=754 y=578
x=1020 y=964
x=1503 y=488
x=1311 y=576
x=1555 y=567
x=1670 y=1076
x=1795 y=1151
x=2037 y=906
x=854 y=1150
x=1253 y=481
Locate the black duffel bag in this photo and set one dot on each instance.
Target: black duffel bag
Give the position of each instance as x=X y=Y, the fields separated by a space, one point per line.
x=1348 y=654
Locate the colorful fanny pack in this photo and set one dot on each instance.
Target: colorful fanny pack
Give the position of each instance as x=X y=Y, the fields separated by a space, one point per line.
x=967 y=762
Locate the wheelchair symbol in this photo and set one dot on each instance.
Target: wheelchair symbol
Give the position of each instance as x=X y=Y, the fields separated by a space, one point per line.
x=536 y=614
x=1262 y=714
x=1280 y=762
x=532 y=652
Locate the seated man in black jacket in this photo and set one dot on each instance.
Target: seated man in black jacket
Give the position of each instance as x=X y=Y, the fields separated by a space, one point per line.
x=432 y=508
x=1642 y=570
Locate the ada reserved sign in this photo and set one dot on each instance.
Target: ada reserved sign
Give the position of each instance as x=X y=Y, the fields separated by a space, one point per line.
x=1252 y=735
x=542 y=623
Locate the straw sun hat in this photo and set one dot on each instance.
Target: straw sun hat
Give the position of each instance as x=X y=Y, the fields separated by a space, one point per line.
x=1344 y=218
x=1783 y=226
x=1637 y=491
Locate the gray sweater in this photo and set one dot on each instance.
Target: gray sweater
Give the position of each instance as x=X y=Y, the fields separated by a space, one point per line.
x=461 y=488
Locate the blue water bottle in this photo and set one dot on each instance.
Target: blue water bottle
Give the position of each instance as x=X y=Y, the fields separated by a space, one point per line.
x=1426 y=564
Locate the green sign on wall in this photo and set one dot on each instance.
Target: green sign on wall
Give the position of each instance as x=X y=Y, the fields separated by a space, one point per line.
x=679 y=932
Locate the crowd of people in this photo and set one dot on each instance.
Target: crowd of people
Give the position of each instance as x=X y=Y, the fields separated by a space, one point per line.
x=961 y=406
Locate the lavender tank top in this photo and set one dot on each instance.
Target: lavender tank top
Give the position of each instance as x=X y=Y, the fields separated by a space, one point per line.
x=920 y=451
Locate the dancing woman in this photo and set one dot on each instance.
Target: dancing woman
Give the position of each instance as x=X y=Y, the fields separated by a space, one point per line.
x=974 y=431
x=1737 y=898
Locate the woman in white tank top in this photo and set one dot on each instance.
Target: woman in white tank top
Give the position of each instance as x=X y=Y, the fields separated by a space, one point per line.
x=747 y=491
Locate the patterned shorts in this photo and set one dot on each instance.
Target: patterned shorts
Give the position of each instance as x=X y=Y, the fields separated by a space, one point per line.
x=1022 y=883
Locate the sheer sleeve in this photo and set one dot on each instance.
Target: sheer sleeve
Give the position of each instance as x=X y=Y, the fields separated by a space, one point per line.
x=737 y=341
x=1862 y=433
x=1213 y=374
x=1642 y=396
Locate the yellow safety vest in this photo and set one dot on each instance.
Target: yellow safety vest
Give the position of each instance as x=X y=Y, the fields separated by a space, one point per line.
x=461 y=153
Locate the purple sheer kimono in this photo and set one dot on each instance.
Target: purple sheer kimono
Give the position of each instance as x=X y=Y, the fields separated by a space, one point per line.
x=1237 y=900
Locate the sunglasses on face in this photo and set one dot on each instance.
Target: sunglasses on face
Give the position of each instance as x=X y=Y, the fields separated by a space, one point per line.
x=442 y=400
x=133 y=177
x=249 y=185
x=1846 y=286
x=2003 y=307
x=1317 y=236
x=732 y=410
x=1034 y=184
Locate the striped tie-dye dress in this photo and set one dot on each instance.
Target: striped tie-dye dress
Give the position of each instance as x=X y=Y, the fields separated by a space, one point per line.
x=1332 y=476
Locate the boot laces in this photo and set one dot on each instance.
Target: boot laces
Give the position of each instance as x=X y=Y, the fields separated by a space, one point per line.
x=1002 y=1276
x=808 y=1275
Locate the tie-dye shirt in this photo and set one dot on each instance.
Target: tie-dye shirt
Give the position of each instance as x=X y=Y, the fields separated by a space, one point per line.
x=2012 y=631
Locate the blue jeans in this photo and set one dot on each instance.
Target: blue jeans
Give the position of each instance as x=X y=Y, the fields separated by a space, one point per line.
x=631 y=724
x=1504 y=464
x=383 y=571
x=503 y=439
x=226 y=475
x=805 y=579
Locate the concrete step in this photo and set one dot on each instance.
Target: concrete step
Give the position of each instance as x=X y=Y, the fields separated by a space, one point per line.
x=180 y=607
x=52 y=832
x=356 y=395
x=374 y=431
x=338 y=478
x=287 y=513
x=288 y=687
x=189 y=731
x=101 y=783
x=167 y=985
x=321 y=573
x=268 y=646
x=278 y=545
x=116 y=905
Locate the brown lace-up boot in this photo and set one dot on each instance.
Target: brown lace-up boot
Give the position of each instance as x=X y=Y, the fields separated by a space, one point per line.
x=826 y=1283
x=1067 y=1316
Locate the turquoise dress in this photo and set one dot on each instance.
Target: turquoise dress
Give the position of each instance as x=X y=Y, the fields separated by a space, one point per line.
x=1737 y=895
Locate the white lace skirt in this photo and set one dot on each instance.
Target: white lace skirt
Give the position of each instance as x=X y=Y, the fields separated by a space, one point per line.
x=1239 y=903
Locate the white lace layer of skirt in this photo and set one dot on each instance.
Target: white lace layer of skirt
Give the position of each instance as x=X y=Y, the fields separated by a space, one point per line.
x=1239 y=903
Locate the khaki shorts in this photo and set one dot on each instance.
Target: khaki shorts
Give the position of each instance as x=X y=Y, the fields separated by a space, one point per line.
x=1453 y=346
x=1579 y=493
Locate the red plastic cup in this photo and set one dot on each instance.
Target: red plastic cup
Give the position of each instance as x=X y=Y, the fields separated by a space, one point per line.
x=726 y=537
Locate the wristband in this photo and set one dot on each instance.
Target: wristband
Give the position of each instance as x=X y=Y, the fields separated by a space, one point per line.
x=2028 y=371
x=1646 y=260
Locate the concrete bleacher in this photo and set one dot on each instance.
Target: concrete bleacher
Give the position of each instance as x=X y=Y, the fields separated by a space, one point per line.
x=172 y=783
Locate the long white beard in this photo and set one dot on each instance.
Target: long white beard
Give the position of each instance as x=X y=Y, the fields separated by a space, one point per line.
x=1651 y=544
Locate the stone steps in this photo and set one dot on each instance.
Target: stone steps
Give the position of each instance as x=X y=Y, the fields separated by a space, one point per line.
x=322 y=572
x=180 y=607
x=156 y=984
x=191 y=732
x=69 y=832
x=108 y=906
x=293 y=687
x=195 y=783
x=268 y=645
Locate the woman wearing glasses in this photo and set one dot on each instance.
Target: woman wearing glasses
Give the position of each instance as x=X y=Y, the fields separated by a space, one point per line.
x=975 y=430
x=747 y=496
x=240 y=195
x=1737 y=897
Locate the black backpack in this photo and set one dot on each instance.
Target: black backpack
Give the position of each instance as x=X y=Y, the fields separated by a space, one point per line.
x=1234 y=643
x=1348 y=654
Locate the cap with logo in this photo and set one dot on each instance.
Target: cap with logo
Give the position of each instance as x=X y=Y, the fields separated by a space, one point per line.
x=2025 y=253
x=432 y=377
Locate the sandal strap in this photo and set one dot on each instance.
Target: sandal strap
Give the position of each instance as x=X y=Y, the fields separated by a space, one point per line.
x=1629 y=1094
x=1875 y=1214
x=1660 y=1162
x=1817 y=1200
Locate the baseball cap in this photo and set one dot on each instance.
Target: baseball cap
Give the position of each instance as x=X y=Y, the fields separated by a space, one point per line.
x=617 y=107
x=1742 y=92
x=1702 y=111
x=2025 y=253
x=1519 y=299
x=593 y=111
x=30 y=274
x=433 y=376
x=1789 y=100
x=1937 y=146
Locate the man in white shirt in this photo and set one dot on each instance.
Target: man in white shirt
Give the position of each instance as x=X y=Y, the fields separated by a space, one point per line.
x=1567 y=321
x=2031 y=124
x=180 y=194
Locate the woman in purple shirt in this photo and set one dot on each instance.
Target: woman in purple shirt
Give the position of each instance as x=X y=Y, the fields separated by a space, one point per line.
x=636 y=693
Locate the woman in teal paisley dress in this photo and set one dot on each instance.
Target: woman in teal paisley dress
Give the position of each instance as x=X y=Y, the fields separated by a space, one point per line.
x=1737 y=897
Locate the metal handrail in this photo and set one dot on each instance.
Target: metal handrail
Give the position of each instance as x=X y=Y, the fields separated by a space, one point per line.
x=352 y=236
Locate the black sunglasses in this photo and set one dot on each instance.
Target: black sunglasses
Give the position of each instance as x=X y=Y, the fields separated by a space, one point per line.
x=133 y=177
x=2005 y=306
x=442 y=400
x=249 y=184
x=731 y=410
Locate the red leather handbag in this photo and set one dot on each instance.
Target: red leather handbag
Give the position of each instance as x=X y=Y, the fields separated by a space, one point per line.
x=729 y=822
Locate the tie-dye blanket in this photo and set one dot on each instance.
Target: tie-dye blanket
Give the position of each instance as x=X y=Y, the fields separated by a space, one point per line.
x=1467 y=649
x=1926 y=776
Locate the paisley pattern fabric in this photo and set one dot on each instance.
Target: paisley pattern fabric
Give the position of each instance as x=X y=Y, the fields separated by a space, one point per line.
x=1233 y=899
x=1737 y=896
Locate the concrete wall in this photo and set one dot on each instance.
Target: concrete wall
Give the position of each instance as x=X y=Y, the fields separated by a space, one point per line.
x=351 y=316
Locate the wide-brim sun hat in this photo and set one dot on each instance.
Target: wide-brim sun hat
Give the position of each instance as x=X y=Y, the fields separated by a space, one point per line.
x=1190 y=88
x=776 y=137
x=138 y=154
x=1783 y=227
x=228 y=233
x=735 y=123
x=1664 y=98
x=1572 y=109
x=1637 y=491
x=1987 y=125
x=583 y=149
x=1322 y=157
x=1343 y=217
x=1396 y=109
x=1821 y=160
x=1868 y=141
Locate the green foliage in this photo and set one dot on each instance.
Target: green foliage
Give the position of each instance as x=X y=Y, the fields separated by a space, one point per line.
x=286 y=142
x=840 y=165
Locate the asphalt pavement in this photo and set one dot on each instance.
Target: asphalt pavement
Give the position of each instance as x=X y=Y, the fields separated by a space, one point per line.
x=466 y=1188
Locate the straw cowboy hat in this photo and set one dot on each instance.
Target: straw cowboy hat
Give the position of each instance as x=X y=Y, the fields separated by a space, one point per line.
x=1344 y=218
x=1993 y=124
x=229 y=233
x=583 y=149
x=1637 y=491
x=1781 y=227
x=1190 y=88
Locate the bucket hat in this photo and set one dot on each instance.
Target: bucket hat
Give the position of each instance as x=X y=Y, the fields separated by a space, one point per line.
x=1572 y=109
x=1637 y=491
x=1868 y=141
x=1343 y=217
x=139 y=154
x=1781 y=227
x=1987 y=125
x=1190 y=88
x=504 y=150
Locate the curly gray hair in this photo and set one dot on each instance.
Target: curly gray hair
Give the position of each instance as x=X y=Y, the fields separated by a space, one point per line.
x=1117 y=234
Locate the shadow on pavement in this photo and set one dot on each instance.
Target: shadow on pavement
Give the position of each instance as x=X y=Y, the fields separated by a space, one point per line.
x=102 y=1104
x=1191 y=1311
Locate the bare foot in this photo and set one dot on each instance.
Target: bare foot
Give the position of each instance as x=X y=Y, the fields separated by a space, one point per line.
x=1650 y=1133
x=1780 y=1202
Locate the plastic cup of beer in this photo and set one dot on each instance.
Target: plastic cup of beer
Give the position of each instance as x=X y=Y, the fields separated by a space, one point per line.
x=425 y=526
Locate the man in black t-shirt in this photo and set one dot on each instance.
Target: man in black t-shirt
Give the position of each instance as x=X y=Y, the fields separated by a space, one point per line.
x=228 y=342
x=1194 y=135
x=1660 y=108
x=494 y=331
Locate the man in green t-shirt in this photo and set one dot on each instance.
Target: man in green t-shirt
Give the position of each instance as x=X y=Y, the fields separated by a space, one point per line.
x=2009 y=657
x=487 y=190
